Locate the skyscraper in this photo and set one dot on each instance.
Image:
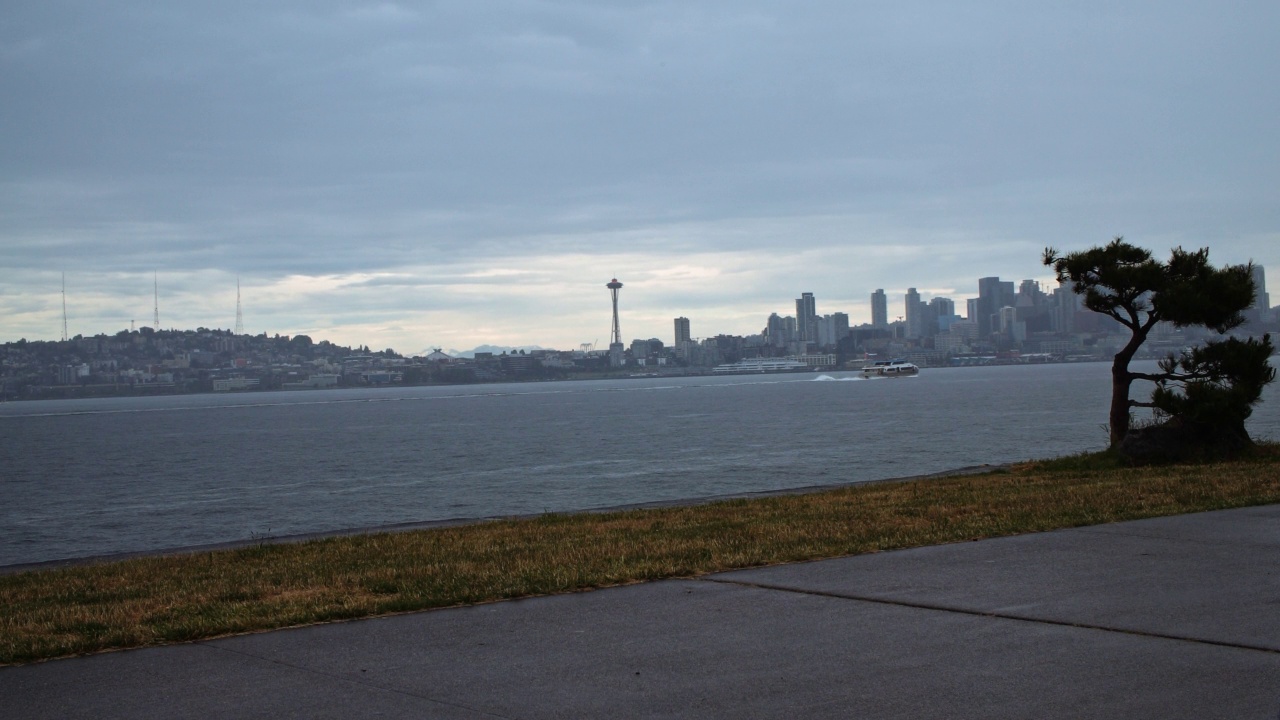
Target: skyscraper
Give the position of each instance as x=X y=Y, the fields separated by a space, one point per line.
x=943 y=306
x=879 y=309
x=1067 y=304
x=912 y=314
x=992 y=295
x=682 y=330
x=942 y=312
x=806 y=318
x=1261 y=300
x=840 y=326
x=777 y=329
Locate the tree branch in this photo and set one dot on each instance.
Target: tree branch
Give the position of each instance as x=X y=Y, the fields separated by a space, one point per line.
x=1121 y=319
x=1162 y=377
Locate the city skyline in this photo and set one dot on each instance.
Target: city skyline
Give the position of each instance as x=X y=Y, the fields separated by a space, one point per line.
x=453 y=175
x=999 y=292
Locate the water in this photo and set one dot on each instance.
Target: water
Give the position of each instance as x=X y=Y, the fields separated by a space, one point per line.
x=91 y=477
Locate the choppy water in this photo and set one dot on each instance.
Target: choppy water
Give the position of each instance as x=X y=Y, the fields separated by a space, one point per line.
x=115 y=475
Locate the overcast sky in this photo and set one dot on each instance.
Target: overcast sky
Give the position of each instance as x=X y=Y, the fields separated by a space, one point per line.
x=458 y=173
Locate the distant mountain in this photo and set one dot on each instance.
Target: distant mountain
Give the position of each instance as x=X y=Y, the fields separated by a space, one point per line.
x=495 y=349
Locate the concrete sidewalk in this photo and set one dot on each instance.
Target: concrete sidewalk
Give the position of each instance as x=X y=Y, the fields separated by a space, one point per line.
x=1166 y=618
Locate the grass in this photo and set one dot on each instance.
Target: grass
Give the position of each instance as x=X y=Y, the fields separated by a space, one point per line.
x=164 y=599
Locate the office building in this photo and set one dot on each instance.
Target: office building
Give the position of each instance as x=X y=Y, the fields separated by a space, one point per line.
x=993 y=294
x=913 y=315
x=682 y=330
x=879 y=309
x=806 y=318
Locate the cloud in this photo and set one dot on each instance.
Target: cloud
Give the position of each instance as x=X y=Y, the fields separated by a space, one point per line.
x=456 y=174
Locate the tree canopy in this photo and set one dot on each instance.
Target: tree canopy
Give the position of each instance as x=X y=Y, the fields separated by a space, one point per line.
x=1217 y=383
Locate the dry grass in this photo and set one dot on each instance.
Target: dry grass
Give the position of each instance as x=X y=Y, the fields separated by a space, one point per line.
x=153 y=600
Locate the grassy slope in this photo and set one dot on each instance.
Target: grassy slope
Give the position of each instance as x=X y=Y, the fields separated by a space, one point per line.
x=161 y=599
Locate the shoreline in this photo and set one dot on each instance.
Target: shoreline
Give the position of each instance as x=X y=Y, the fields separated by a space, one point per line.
x=701 y=372
x=60 y=563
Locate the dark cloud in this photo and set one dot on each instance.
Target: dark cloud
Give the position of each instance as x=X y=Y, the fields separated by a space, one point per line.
x=316 y=139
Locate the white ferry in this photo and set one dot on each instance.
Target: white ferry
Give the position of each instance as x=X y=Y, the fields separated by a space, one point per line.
x=760 y=365
x=890 y=368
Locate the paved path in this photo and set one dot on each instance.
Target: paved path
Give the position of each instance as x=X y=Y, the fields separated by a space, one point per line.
x=1167 y=618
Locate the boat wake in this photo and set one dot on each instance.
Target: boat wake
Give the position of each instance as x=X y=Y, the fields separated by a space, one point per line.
x=828 y=378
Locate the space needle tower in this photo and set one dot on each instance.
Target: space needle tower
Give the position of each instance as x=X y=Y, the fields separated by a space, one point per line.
x=615 y=343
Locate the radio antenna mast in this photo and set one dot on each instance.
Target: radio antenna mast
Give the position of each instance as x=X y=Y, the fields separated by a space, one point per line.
x=64 y=306
x=155 y=278
x=239 y=314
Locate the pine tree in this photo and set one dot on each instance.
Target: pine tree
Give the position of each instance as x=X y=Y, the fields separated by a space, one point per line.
x=1215 y=384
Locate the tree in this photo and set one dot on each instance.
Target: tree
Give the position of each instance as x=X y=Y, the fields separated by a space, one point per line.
x=1216 y=384
x=1220 y=380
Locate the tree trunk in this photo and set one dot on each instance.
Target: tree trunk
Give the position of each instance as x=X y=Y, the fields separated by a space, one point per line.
x=1119 y=418
x=1121 y=379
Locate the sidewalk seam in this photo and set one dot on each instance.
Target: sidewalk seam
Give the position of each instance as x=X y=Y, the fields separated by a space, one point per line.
x=989 y=614
x=1199 y=542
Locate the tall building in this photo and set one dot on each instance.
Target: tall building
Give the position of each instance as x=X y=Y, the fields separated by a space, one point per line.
x=840 y=324
x=942 y=312
x=682 y=330
x=912 y=314
x=776 y=329
x=806 y=318
x=1261 y=300
x=1030 y=289
x=1010 y=325
x=993 y=294
x=1067 y=305
x=832 y=328
x=879 y=309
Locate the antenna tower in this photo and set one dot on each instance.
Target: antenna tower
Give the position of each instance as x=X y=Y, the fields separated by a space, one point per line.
x=239 y=314
x=155 y=279
x=615 y=345
x=64 y=307
x=614 y=286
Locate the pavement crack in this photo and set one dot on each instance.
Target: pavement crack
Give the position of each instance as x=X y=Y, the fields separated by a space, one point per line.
x=354 y=680
x=989 y=614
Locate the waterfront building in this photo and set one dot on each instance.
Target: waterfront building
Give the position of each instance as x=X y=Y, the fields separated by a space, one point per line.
x=950 y=343
x=966 y=330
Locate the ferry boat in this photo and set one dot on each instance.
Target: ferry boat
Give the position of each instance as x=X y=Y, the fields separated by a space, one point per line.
x=890 y=368
x=761 y=365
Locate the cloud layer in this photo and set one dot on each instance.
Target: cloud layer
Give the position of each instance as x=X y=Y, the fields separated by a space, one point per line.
x=453 y=174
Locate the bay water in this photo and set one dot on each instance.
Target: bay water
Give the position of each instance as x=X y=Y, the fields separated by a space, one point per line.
x=84 y=478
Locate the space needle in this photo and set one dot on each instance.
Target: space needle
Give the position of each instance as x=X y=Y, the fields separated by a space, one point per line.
x=615 y=344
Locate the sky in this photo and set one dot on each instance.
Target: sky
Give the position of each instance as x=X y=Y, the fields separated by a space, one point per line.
x=454 y=174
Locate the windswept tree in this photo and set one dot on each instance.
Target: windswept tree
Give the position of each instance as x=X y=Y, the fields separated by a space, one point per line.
x=1218 y=382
